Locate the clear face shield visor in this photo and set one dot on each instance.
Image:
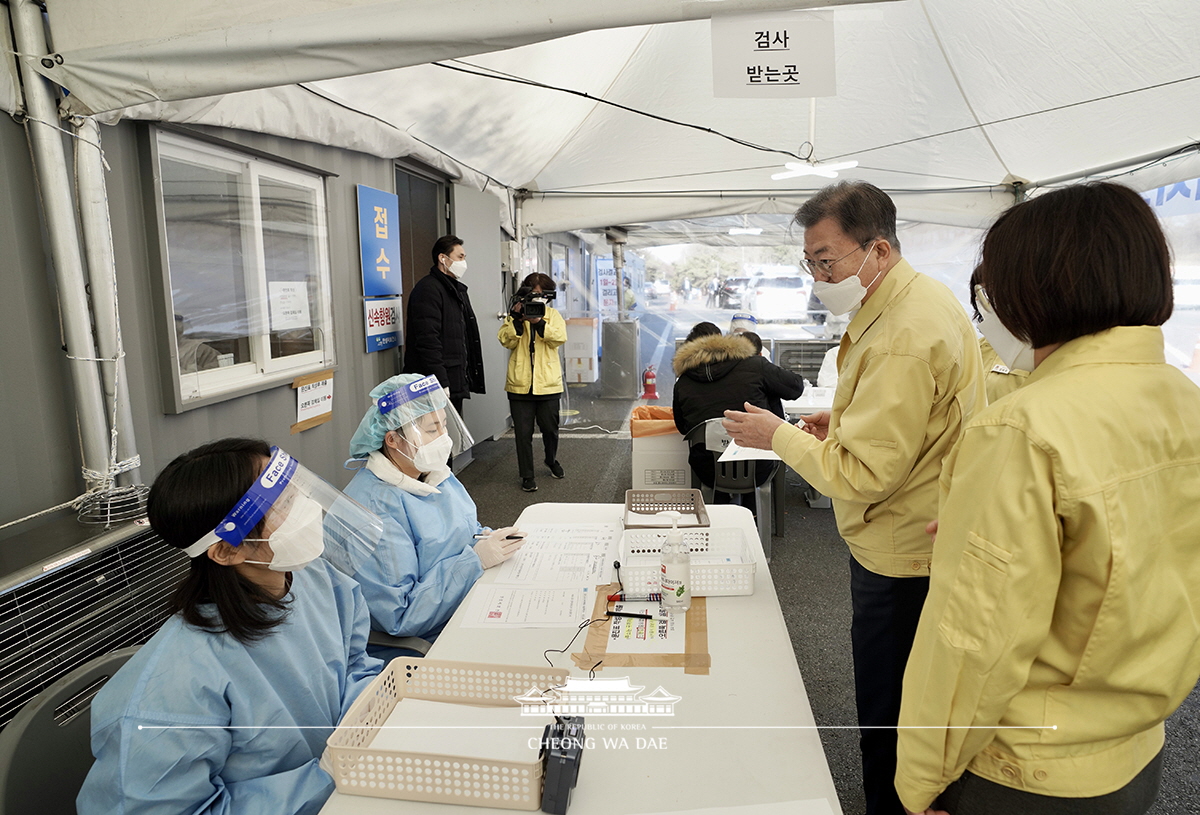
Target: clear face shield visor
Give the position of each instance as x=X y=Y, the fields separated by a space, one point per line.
x=431 y=429
x=302 y=516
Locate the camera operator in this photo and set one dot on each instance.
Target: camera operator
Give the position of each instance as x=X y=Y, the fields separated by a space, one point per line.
x=532 y=332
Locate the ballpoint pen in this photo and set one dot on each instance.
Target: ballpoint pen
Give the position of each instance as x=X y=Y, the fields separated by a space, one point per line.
x=627 y=614
x=506 y=537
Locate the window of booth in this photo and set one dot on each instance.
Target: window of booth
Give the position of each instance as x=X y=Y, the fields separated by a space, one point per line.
x=246 y=277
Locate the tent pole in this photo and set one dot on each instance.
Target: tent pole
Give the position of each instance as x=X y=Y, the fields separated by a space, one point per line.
x=54 y=184
x=102 y=269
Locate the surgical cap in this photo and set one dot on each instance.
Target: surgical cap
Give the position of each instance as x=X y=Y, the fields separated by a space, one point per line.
x=396 y=402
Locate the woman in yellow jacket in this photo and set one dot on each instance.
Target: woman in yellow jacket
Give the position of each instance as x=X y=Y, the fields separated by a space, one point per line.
x=534 y=381
x=1063 y=619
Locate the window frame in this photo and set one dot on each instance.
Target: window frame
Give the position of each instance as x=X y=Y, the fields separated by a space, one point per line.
x=262 y=371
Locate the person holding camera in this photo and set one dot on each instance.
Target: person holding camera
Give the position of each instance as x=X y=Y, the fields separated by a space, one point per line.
x=532 y=332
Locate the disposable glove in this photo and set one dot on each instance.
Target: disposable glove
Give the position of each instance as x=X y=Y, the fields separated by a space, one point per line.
x=496 y=548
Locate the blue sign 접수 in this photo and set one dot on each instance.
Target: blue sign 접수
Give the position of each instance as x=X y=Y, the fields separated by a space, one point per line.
x=379 y=241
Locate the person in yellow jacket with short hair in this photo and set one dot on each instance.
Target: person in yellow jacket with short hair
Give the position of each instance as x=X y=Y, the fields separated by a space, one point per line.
x=1061 y=625
x=532 y=332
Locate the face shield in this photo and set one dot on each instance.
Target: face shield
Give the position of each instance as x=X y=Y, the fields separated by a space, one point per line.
x=419 y=410
x=302 y=517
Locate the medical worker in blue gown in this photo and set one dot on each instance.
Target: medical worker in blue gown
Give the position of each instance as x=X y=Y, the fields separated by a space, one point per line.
x=227 y=708
x=429 y=556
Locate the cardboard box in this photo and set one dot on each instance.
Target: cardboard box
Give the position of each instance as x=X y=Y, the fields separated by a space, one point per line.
x=582 y=337
x=581 y=369
x=661 y=461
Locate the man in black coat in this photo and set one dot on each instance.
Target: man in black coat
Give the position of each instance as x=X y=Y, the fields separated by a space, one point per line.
x=441 y=335
x=716 y=371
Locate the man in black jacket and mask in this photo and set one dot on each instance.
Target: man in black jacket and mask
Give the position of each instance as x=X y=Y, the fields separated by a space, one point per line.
x=441 y=336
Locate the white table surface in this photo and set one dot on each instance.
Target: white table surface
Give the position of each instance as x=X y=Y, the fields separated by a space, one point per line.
x=754 y=743
x=809 y=403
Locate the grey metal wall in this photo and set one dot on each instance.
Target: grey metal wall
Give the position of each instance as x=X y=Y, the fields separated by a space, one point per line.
x=39 y=450
x=268 y=414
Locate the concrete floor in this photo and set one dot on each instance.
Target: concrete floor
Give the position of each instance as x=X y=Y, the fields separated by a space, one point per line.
x=811 y=575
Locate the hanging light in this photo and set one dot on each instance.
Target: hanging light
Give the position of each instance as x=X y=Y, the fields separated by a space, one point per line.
x=795 y=169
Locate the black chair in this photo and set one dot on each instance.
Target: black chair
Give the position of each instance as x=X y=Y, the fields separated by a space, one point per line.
x=736 y=477
x=46 y=750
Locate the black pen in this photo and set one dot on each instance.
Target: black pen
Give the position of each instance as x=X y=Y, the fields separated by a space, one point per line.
x=626 y=614
x=506 y=537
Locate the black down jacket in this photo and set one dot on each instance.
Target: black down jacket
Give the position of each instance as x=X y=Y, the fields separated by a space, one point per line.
x=441 y=335
x=718 y=373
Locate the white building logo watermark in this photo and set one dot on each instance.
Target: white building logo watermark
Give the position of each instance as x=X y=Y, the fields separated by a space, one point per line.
x=597 y=697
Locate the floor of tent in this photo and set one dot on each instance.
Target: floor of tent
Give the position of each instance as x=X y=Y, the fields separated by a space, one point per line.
x=811 y=575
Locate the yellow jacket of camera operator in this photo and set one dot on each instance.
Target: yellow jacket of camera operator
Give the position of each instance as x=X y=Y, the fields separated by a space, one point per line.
x=539 y=368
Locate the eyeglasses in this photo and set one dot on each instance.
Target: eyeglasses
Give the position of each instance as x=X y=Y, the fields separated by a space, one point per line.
x=825 y=267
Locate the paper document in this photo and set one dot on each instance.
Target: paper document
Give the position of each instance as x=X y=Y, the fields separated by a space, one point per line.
x=562 y=555
x=493 y=733
x=519 y=607
x=662 y=635
x=735 y=452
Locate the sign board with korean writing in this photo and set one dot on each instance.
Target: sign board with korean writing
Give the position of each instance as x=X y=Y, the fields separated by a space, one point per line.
x=379 y=241
x=382 y=318
x=288 y=301
x=314 y=400
x=606 y=281
x=1180 y=198
x=769 y=55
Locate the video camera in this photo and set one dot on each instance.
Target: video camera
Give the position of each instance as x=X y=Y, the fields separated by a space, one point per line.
x=533 y=304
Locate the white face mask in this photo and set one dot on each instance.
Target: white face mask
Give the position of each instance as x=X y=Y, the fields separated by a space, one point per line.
x=433 y=455
x=1016 y=354
x=845 y=295
x=458 y=268
x=299 y=540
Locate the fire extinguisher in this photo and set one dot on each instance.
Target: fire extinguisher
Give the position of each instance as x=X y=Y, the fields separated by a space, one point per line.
x=649 y=388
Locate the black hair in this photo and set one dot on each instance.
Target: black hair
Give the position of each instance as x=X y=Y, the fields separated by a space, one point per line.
x=444 y=246
x=543 y=281
x=189 y=498
x=1077 y=261
x=755 y=340
x=861 y=210
x=702 y=330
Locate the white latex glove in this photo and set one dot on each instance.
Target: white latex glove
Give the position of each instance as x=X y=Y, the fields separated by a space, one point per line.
x=496 y=548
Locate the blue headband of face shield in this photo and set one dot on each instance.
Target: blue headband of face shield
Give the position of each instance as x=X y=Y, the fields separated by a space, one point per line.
x=249 y=511
x=407 y=393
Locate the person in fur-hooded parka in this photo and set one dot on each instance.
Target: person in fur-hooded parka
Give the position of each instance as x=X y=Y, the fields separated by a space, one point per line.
x=718 y=373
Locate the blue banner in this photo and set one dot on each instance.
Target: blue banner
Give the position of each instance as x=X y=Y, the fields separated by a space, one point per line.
x=379 y=241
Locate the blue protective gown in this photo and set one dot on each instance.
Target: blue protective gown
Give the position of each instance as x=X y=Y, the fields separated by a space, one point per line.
x=424 y=564
x=303 y=674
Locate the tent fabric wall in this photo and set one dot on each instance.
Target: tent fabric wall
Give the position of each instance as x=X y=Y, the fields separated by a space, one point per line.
x=234 y=46
x=10 y=89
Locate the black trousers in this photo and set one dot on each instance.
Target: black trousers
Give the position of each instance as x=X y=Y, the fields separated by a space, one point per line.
x=457 y=401
x=973 y=795
x=886 y=611
x=524 y=412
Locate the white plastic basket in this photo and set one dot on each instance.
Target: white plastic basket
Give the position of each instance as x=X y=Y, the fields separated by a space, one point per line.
x=360 y=769
x=722 y=563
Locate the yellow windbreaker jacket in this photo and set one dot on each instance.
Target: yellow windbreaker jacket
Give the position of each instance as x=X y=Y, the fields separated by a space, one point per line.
x=1063 y=620
x=909 y=377
x=546 y=370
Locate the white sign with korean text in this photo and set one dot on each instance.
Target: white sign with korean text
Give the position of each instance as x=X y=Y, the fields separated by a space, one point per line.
x=314 y=399
x=781 y=54
x=289 y=305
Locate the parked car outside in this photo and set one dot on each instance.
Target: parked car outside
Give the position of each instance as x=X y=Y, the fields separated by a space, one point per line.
x=657 y=289
x=732 y=293
x=778 y=299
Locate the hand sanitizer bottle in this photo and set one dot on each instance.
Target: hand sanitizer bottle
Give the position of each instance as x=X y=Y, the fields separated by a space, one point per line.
x=676 y=577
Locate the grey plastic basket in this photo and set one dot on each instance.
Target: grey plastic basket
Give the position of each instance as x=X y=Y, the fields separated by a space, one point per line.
x=642 y=506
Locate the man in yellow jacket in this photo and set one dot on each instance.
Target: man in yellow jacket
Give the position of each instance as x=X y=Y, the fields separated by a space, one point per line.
x=909 y=377
x=534 y=381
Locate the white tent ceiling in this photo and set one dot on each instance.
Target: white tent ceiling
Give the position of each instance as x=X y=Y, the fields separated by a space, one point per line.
x=940 y=101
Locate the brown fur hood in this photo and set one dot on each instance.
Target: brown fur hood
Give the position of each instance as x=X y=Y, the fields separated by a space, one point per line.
x=711 y=350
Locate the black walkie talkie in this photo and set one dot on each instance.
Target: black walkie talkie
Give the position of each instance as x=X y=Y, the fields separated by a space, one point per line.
x=562 y=752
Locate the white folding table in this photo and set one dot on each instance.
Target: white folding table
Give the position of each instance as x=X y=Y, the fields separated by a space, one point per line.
x=740 y=736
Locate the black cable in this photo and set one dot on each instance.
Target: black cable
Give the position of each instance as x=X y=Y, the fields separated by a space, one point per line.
x=503 y=77
x=582 y=625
